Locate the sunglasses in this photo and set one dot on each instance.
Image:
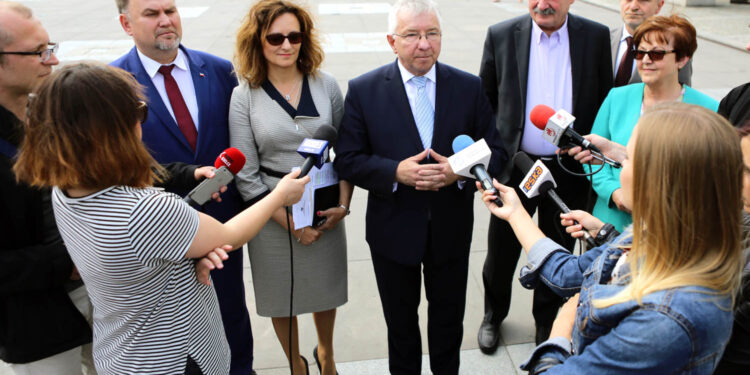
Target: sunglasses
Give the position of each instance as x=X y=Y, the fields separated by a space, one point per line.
x=142 y=109
x=653 y=54
x=277 y=39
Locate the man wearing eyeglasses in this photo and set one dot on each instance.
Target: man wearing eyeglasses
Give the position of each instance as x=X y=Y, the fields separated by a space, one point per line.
x=42 y=299
x=189 y=93
x=561 y=60
x=399 y=123
x=633 y=13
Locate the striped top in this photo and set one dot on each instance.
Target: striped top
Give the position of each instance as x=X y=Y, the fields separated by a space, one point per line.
x=150 y=312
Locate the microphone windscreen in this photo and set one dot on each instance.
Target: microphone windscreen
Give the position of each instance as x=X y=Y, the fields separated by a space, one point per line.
x=522 y=162
x=325 y=133
x=461 y=142
x=540 y=114
x=231 y=158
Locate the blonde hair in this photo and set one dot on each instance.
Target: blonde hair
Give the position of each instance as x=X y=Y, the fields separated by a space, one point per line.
x=81 y=132
x=251 y=65
x=687 y=184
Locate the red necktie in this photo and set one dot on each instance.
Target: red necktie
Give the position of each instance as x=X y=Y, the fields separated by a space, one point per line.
x=626 y=64
x=180 y=109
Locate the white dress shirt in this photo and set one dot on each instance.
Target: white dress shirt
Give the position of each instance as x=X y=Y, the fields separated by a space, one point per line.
x=550 y=82
x=411 y=88
x=181 y=74
x=622 y=49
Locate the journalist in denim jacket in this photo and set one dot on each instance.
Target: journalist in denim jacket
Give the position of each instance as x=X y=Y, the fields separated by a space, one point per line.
x=675 y=331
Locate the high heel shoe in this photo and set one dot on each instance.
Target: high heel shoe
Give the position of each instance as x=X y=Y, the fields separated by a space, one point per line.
x=307 y=366
x=317 y=362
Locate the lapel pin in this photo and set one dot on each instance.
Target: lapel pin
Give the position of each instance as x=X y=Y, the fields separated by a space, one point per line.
x=202 y=75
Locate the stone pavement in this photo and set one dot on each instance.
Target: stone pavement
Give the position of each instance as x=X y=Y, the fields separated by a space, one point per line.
x=354 y=34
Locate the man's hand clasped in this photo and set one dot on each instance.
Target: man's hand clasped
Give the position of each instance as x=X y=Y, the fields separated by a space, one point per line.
x=426 y=176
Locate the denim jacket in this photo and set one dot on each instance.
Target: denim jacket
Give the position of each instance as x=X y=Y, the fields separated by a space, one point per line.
x=675 y=331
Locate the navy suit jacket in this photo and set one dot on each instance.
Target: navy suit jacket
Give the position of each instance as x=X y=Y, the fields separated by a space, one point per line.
x=214 y=81
x=378 y=131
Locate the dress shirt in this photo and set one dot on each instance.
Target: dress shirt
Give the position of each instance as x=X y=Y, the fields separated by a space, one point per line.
x=550 y=82
x=621 y=50
x=411 y=88
x=181 y=74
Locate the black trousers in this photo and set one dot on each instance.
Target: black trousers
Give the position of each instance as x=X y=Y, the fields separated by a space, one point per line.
x=445 y=287
x=503 y=249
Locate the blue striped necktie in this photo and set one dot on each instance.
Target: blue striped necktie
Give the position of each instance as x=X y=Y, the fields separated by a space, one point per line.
x=424 y=113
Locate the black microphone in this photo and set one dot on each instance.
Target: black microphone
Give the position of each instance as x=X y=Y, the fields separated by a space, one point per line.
x=315 y=150
x=538 y=180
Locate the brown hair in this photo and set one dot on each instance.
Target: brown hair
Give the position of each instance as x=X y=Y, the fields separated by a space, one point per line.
x=250 y=64
x=663 y=29
x=687 y=184
x=81 y=131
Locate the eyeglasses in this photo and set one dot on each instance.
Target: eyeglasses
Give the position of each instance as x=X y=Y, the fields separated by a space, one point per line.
x=654 y=55
x=277 y=39
x=142 y=109
x=432 y=36
x=44 y=55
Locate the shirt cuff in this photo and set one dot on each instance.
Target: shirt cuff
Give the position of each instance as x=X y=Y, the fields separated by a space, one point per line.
x=559 y=348
x=461 y=184
x=538 y=254
x=395 y=186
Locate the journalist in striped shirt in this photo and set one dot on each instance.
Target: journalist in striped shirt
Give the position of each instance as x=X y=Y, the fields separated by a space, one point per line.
x=133 y=244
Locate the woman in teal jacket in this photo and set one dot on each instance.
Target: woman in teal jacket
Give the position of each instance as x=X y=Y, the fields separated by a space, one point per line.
x=663 y=45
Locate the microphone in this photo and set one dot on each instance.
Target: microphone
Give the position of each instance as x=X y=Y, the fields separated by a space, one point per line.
x=227 y=164
x=315 y=150
x=539 y=181
x=470 y=159
x=555 y=127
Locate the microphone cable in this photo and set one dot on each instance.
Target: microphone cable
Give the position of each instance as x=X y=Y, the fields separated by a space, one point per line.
x=291 y=287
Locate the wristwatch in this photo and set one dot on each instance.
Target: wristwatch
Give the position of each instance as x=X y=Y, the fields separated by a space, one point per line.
x=346 y=208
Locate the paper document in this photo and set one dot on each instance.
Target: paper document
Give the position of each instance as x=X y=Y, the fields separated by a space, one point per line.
x=303 y=211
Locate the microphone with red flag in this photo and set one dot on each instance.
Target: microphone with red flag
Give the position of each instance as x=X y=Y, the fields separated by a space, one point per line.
x=556 y=129
x=227 y=164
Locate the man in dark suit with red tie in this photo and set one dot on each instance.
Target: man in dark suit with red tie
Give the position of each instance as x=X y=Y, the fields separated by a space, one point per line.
x=189 y=93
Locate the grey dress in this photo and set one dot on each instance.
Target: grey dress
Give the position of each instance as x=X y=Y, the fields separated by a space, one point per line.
x=269 y=132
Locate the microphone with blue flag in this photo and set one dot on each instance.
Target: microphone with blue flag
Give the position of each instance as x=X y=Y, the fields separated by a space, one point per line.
x=315 y=149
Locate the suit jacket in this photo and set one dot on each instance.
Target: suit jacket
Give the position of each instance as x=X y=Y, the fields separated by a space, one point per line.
x=505 y=67
x=684 y=75
x=378 y=131
x=214 y=81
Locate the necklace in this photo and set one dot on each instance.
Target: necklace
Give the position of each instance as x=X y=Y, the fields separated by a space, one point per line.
x=288 y=96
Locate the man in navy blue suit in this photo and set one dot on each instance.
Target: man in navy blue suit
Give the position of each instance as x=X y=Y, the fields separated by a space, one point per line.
x=189 y=93
x=398 y=127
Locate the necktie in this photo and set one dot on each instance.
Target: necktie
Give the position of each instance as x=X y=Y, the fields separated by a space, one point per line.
x=424 y=113
x=626 y=64
x=180 y=109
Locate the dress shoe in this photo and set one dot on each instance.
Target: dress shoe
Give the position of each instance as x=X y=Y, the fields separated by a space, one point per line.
x=488 y=336
x=317 y=362
x=542 y=333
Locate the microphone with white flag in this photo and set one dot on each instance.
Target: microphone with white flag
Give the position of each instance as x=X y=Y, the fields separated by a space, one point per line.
x=470 y=159
x=539 y=181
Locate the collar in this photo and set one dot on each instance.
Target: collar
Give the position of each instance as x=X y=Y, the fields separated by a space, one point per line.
x=625 y=33
x=407 y=75
x=537 y=33
x=152 y=66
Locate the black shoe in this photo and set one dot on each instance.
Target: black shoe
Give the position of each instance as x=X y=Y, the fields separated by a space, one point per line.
x=488 y=336
x=253 y=372
x=542 y=333
x=307 y=366
x=317 y=362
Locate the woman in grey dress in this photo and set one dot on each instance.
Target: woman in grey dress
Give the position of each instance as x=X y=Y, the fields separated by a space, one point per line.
x=282 y=99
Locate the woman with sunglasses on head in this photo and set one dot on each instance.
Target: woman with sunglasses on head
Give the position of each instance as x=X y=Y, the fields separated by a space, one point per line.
x=663 y=45
x=282 y=99
x=658 y=298
x=133 y=245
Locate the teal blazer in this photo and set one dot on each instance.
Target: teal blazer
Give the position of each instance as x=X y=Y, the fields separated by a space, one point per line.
x=615 y=121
